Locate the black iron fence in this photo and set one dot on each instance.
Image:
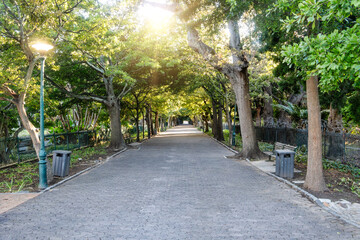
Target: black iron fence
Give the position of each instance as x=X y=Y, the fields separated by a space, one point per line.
x=342 y=146
x=21 y=149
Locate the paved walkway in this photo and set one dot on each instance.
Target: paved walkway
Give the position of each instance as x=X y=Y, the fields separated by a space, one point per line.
x=176 y=186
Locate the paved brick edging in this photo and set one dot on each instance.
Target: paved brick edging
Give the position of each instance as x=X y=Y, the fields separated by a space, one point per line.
x=81 y=172
x=306 y=194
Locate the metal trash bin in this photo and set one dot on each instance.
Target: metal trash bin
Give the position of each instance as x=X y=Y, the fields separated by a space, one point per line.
x=285 y=163
x=61 y=163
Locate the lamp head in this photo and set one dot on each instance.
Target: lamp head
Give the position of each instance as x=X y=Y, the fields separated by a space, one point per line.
x=42 y=47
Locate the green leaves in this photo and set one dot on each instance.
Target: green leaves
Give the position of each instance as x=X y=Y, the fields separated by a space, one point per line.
x=356 y=3
x=332 y=56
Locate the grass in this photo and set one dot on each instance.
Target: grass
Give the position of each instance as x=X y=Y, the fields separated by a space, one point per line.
x=24 y=176
x=17 y=178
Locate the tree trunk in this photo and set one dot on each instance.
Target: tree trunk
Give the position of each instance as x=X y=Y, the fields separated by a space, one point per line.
x=335 y=123
x=219 y=124
x=117 y=139
x=148 y=122
x=268 y=113
x=314 y=179
x=228 y=118
x=137 y=125
x=240 y=84
x=151 y=122
x=214 y=128
x=157 y=128
x=19 y=103
x=169 y=122
x=143 y=123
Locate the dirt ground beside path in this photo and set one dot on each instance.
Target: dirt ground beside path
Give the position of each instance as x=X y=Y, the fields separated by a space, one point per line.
x=336 y=192
x=11 y=200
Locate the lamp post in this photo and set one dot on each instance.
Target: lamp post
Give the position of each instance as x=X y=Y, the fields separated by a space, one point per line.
x=42 y=48
x=233 y=133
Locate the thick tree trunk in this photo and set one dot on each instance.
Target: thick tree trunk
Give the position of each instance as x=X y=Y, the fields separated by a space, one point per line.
x=19 y=103
x=157 y=129
x=169 y=122
x=117 y=139
x=206 y=125
x=240 y=84
x=219 y=124
x=314 y=179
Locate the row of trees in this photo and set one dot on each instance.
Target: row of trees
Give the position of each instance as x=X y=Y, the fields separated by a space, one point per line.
x=104 y=59
x=118 y=69
x=319 y=44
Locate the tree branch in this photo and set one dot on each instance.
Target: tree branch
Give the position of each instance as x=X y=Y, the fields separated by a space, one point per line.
x=78 y=96
x=10 y=12
x=69 y=10
x=99 y=70
x=10 y=92
x=124 y=91
x=8 y=100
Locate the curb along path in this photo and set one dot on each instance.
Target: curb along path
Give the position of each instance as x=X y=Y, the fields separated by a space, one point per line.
x=177 y=185
x=344 y=210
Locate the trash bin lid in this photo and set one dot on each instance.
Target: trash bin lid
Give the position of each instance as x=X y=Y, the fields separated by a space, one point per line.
x=284 y=151
x=61 y=151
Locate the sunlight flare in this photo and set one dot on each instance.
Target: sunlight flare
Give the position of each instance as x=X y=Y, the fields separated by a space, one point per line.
x=156 y=17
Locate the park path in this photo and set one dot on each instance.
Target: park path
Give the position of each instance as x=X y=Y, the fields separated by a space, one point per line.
x=178 y=185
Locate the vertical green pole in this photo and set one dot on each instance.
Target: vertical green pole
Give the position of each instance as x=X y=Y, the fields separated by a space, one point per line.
x=42 y=154
x=233 y=133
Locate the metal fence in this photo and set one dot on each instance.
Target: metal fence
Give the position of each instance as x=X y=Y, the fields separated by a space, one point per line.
x=21 y=149
x=343 y=146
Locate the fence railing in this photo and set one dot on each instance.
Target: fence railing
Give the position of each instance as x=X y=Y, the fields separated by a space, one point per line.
x=21 y=149
x=343 y=146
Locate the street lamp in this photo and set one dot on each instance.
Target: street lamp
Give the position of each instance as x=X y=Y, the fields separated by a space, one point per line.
x=42 y=48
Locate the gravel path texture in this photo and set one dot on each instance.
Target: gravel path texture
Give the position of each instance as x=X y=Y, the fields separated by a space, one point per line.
x=178 y=185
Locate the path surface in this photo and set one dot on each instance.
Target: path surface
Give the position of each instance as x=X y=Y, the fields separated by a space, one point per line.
x=176 y=186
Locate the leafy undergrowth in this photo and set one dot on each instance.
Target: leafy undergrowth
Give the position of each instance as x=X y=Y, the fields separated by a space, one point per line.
x=25 y=176
x=342 y=180
x=17 y=178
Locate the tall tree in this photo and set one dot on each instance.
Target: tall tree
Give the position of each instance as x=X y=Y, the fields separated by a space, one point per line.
x=319 y=56
x=236 y=70
x=110 y=49
x=21 y=23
